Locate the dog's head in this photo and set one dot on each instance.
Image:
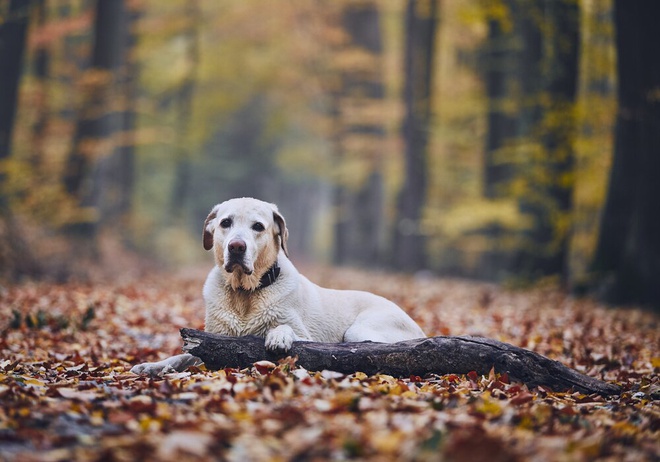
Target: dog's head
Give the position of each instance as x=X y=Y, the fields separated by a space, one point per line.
x=246 y=235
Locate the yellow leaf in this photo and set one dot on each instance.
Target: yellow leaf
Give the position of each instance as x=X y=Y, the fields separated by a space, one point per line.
x=526 y=422
x=150 y=424
x=35 y=382
x=97 y=418
x=489 y=408
x=387 y=442
x=624 y=429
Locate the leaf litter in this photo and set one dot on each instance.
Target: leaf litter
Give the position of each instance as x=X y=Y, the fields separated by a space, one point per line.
x=67 y=393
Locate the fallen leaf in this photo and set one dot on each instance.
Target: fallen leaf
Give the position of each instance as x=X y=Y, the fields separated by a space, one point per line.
x=522 y=398
x=66 y=393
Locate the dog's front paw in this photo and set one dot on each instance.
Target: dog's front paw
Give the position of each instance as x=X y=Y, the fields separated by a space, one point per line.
x=177 y=363
x=157 y=369
x=280 y=338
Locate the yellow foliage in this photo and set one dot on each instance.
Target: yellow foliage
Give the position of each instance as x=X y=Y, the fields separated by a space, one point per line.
x=595 y=114
x=476 y=214
x=309 y=159
x=298 y=57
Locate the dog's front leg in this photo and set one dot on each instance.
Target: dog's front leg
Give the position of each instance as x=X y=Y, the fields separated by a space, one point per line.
x=178 y=363
x=281 y=338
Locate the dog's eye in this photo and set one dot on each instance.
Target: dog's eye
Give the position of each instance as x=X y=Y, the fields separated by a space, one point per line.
x=258 y=227
x=226 y=223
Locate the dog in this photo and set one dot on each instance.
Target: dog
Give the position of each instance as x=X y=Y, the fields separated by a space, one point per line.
x=254 y=289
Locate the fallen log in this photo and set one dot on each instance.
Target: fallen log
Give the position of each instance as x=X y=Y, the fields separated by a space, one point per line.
x=434 y=355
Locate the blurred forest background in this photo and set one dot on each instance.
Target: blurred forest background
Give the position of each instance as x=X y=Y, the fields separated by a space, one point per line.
x=508 y=140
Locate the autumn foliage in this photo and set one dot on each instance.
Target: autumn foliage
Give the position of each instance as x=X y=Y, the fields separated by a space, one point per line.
x=66 y=393
x=472 y=137
x=507 y=140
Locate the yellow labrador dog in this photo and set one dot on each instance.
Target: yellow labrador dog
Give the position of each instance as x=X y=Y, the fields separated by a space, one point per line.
x=254 y=289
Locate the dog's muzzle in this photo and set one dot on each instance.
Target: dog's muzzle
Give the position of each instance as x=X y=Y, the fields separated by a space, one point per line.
x=237 y=249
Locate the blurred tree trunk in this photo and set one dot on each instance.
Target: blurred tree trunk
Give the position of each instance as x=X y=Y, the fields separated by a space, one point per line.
x=13 y=30
x=342 y=233
x=121 y=175
x=499 y=67
x=41 y=73
x=15 y=257
x=359 y=139
x=420 y=27
x=595 y=126
x=531 y=73
x=628 y=251
x=560 y=131
x=99 y=119
x=546 y=133
x=184 y=100
x=499 y=73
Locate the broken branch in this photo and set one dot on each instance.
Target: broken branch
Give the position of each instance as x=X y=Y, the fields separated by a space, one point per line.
x=433 y=355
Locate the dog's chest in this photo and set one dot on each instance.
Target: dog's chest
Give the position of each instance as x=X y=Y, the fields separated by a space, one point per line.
x=246 y=315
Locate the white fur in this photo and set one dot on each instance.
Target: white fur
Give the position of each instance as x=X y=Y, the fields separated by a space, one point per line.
x=292 y=308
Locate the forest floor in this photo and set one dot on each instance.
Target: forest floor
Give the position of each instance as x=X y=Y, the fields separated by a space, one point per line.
x=66 y=392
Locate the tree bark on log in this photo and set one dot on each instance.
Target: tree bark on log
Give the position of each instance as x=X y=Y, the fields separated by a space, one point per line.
x=434 y=355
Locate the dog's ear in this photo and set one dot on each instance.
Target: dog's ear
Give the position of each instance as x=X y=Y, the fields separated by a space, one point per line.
x=207 y=232
x=284 y=232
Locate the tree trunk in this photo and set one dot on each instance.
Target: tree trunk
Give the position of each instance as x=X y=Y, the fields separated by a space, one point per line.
x=628 y=251
x=560 y=131
x=370 y=220
x=359 y=136
x=122 y=176
x=97 y=120
x=16 y=260
x=498 y=71
x=341 y=200
x=12 y=44
x=436 y=355
x=420 y=22
x=114 y=174
x=360 y=222
x=531 y=75
x=41 y=72
x=546 y=133
x=498 y=63
x=184 y=102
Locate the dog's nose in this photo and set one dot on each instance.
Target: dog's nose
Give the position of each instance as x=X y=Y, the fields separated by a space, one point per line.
x=237 y=247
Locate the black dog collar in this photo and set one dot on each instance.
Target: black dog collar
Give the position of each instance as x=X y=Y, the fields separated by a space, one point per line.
x=269 y=276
